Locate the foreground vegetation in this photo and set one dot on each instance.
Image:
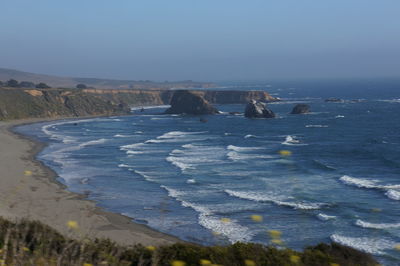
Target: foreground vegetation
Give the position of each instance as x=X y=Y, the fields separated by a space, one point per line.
x=33 y=243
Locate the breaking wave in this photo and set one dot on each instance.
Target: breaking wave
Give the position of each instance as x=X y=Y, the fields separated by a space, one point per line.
x=364 y=224
x=370 y=245
x=392 y=191
x=278 y=200
x=325 y=217
x=290 y=140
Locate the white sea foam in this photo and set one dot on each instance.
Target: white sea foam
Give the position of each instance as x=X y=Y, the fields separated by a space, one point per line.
x=144 y=175
x=276 y=199
x=359 y=182
x=232 y=230
x=178 y=163
x=236 y=148
x=123 y=165
x=177 y=134
x=393 y=194
x=377 y=226
x=290 y=140
x=121 y=136
x=134 y=152
x=316 y=126
x=370 y=245
x=325 y=217
x=391 y=101
x=47 y=128
x=392 y=191
x=249 y=136
x=131 y=146
x=188 y=146
x=92 y=142
x=339 y=116
x=174 y=193
x=191 y=181
x=235 y=156
x=176 y=151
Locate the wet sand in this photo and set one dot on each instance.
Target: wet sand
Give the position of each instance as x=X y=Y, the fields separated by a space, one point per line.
x=28 y=189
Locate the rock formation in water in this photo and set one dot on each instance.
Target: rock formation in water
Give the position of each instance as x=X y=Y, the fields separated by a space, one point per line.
x=334 y=100
x=186 y=102
x=300 y=109
x=256 y=109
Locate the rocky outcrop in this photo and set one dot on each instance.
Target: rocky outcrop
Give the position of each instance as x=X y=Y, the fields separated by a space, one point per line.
x=300 y=109
x=161 y=97
x=256 y=109
x=334 y=100
x=186 y=102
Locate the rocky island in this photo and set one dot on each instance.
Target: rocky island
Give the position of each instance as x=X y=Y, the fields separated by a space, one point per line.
x=186 y=102
x=300 y=109
x=255 y=109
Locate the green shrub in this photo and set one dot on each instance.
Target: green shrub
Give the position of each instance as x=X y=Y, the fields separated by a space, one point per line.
x=33 y=243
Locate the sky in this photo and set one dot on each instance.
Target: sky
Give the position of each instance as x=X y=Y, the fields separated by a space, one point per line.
x=207 y=40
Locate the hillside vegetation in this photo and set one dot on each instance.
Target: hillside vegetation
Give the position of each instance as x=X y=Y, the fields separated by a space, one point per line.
x=19 y=104
x=32 y=243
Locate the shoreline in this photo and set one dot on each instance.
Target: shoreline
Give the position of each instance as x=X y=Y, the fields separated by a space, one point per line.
x=37 y=195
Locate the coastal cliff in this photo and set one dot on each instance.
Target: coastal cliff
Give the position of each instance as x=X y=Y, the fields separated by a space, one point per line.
x=19 y=103
x=160 y=97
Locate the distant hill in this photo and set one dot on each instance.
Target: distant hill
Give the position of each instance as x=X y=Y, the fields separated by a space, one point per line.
x=71 y=82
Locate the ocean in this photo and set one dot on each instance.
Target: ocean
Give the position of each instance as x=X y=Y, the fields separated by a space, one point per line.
x=331 y=175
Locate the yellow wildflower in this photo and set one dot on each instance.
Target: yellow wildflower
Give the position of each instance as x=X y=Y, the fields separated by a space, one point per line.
x=294 y=259
x=277 y=241
x=274 y=233
x=249 y=263
x=178 y=263
x=257 y=218
x=285 y=153
x=87 y=264
x=205 y=262
x=25 y=249
x=28 y=173
x=335 y=264
x=225 y=220
x=72 y=225
x=151 y=248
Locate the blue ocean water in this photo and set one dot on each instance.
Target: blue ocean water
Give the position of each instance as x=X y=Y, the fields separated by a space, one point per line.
x=180 y=176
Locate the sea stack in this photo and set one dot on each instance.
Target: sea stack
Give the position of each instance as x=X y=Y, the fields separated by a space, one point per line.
x=186 y=102
x=256 y=109
x=300 y=109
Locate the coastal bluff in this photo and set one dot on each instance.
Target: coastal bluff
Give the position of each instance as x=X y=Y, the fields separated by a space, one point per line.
x=20 y=103
x=186 y=102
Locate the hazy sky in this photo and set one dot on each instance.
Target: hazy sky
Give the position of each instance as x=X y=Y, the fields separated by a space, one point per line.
x=201 y=39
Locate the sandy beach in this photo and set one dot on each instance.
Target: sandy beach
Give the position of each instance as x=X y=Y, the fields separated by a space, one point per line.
x=29 y=190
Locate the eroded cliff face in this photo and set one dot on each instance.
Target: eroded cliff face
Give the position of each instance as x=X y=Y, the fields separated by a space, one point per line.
x=36 y=103
x=160 y=97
